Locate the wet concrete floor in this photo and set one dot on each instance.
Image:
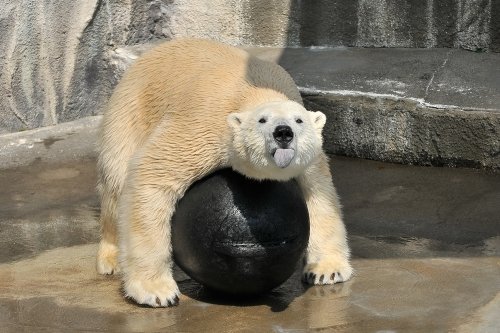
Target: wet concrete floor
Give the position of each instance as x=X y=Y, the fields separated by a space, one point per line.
x=425 y=242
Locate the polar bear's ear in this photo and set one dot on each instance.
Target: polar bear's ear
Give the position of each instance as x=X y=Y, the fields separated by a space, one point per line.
x=234 y=120
x=319 y=119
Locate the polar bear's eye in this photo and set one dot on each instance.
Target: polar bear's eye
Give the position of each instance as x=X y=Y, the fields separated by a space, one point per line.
x=299 y=121
x=262 y=120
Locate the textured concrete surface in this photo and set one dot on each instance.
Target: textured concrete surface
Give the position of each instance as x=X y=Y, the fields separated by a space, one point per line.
x=425 y=241
x=64 y=142
x=56 y=61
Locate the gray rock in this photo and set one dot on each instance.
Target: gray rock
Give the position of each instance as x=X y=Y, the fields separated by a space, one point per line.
x=406 y=131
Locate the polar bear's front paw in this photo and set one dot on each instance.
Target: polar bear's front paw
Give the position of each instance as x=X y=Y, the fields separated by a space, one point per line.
x=158 y=292
x=327 y=272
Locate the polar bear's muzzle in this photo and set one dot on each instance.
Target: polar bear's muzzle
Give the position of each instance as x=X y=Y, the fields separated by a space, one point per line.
x=284 y=154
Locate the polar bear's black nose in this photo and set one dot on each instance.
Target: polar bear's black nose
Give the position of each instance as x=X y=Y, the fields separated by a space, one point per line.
x=283 y=134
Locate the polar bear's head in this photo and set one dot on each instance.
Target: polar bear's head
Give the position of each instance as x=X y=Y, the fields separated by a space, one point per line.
x=275 y=140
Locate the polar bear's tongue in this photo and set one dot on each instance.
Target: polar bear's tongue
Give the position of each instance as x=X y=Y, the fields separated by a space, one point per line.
x=283 y=157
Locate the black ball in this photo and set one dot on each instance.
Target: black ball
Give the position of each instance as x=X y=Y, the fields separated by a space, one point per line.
x=238 y=235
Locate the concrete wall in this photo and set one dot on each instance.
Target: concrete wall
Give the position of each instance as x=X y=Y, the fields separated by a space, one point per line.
x=469 y=24
x=57 y=58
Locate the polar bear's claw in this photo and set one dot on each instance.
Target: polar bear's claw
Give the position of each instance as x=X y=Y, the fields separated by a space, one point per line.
x=311 y=278
x=170 y=303
x=320 y=273
x=158 y=292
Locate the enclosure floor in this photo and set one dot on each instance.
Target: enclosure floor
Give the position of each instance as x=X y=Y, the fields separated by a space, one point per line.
x=425 y=244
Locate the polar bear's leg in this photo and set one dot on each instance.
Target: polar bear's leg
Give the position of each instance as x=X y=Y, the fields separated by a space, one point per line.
x=145 y=248
x=157 y=179
x=107 y=254
x=327 y=258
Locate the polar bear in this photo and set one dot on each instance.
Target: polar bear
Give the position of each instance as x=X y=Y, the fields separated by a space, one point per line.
x=183 y=110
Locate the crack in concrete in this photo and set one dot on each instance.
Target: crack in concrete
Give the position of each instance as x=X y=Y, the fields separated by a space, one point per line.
x=313 y=91
x=439 y=69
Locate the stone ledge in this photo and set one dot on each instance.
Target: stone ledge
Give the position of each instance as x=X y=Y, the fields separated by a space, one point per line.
x=59 y=143
x=406 y=131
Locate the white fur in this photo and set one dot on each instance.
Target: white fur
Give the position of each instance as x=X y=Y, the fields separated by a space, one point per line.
x=182 y=111
x=253 y=141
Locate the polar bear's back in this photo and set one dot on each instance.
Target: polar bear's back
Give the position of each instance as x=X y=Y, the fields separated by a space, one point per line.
x=198 y=81
x=195 y=75
x=198 y=66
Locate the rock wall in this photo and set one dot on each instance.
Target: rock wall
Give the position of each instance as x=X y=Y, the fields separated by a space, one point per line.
x=57 y=57
x=40 y=45
x=469 y=24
